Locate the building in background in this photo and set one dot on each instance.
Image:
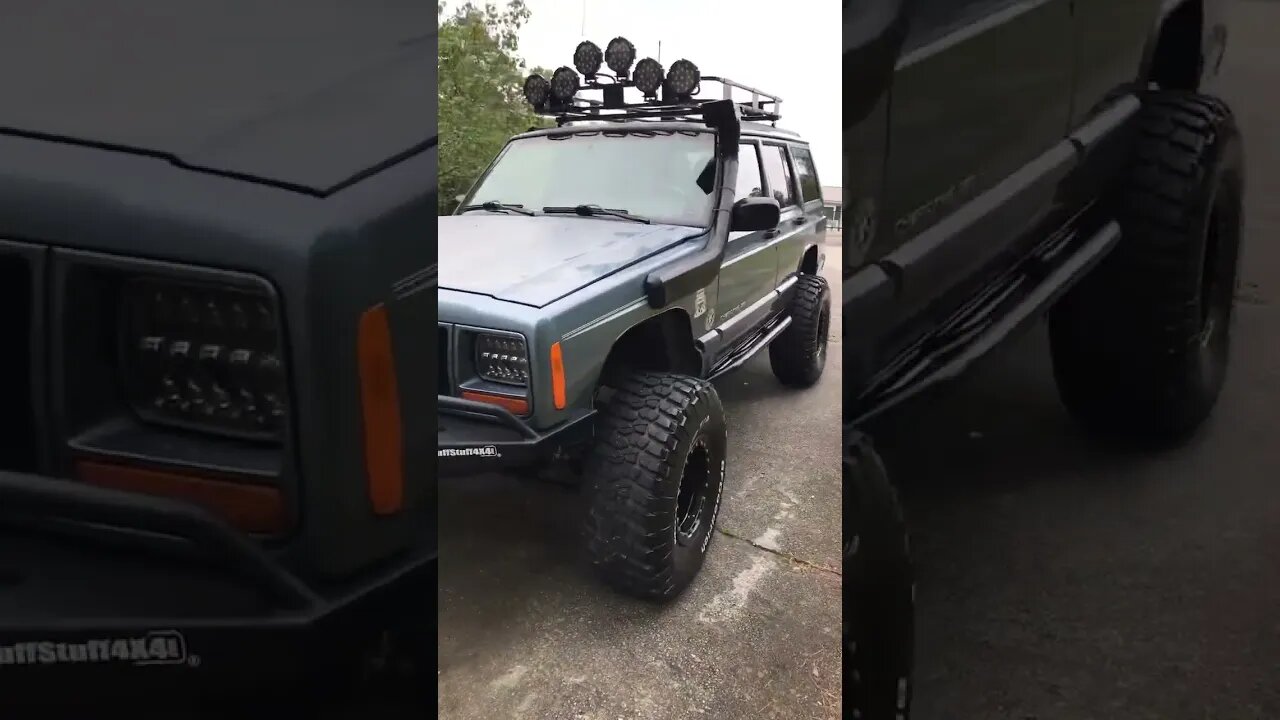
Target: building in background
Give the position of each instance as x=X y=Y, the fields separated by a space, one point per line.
x=832 y=205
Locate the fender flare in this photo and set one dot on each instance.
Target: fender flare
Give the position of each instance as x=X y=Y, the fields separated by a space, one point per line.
x=1213 y=40
x=807 y=248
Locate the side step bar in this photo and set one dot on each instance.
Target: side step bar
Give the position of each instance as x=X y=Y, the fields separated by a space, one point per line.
x=1006 y=306
x=748 y=349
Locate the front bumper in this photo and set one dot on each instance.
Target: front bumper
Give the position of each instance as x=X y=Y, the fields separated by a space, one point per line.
x=117 y=594
x=475 y=437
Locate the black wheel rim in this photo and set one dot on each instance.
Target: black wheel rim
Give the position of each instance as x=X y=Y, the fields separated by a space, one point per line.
x=692 y=496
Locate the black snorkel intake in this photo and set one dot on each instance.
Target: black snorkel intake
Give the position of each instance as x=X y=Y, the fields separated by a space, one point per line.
x=698 y=270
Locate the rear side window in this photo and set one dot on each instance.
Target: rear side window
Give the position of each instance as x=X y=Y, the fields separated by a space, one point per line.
x=810 y=189
x=749 y=182
x=778 y=172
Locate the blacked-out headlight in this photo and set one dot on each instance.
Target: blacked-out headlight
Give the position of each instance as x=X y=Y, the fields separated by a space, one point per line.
x=502 y=359
x=205 y=357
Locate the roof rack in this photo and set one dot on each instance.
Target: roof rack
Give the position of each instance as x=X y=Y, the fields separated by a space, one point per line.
x=762 y=107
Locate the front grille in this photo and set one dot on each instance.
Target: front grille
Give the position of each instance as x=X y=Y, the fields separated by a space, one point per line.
x=18 y=441
x=445 y=387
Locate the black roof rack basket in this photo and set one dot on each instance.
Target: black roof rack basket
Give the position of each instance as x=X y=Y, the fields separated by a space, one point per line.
x=762 y=107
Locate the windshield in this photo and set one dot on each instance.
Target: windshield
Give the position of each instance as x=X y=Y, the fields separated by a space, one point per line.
x=665 y=176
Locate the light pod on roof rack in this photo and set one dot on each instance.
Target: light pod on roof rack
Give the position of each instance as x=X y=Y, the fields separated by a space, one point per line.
x=537 y=90
x=587 y=58
x=648 y=77
x=619 y=54
x=564 y=84
x=683 y=79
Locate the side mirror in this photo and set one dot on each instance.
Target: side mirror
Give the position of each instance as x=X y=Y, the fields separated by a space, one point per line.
x=755 y=213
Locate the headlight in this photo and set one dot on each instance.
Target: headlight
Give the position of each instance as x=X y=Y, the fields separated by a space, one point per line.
x=205 y=357
x=502 y=359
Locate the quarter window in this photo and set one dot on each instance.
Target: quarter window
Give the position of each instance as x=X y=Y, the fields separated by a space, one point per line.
x=809 y=187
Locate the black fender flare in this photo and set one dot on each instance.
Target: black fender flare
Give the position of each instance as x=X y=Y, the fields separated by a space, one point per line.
x=807 y=248
x=1213 y=40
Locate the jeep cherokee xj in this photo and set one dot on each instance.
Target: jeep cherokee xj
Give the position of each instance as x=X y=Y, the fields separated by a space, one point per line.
x=602 y=272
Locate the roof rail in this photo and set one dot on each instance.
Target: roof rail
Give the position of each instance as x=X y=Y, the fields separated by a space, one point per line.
x=762 y=107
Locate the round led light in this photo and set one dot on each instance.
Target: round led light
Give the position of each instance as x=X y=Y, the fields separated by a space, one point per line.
x=619 y=54
x=587 y=58
x=648 y=76
x=564 y=84
x=683 y=77
x=536 y=90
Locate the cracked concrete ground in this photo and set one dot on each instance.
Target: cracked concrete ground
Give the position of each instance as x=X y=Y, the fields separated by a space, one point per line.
x=527 y=632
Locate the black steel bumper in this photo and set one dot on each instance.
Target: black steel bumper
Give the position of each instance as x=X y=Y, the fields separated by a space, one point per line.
x=475 y=437
x=114 y=594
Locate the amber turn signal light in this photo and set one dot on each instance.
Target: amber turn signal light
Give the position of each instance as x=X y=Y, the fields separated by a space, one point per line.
x=517 y=406
x=380 y=403
x=252 y=508
x=557 y=376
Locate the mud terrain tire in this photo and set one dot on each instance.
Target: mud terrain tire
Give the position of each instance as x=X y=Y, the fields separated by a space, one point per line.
x=879 y=629
x=654 y=480
x=1140 y=346
x=799 y=354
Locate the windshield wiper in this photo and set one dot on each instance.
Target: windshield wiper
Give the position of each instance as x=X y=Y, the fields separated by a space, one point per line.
x=595 y=211
x=493 y=206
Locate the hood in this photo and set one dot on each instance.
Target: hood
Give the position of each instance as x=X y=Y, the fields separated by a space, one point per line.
x=537 y=260
x=312 y=99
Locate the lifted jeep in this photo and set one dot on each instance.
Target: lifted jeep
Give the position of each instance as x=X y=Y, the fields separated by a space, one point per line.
x=1006 y=161
x=213 y=464
x=602 y=272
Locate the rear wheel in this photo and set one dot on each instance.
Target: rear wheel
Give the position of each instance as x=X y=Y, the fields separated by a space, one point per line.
x=879 y=629
x=799 y=353
x=1140 y=346
x=654 y=481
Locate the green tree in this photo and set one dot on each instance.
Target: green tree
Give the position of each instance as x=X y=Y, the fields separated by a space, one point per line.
x=481 y=79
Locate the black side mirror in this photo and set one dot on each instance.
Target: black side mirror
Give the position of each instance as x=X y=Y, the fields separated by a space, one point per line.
x=755 y=213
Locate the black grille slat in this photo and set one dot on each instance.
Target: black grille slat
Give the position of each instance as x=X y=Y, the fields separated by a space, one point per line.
x=442 y=364
x=19 y=438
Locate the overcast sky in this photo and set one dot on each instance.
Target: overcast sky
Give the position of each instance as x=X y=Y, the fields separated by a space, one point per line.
x=788 y=48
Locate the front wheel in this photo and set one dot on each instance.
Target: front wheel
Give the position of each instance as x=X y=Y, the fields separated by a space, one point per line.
x=654 y=481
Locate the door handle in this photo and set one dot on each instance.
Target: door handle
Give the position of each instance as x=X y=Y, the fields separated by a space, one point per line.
x=799 y=221
x=769 y=235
